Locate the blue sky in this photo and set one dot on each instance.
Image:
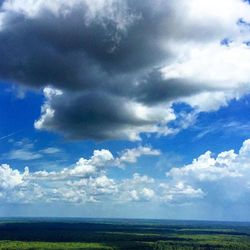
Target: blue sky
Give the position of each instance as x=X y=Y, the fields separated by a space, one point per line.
x=123 y=109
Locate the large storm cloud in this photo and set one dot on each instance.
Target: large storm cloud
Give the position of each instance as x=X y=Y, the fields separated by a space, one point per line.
x=112 y=69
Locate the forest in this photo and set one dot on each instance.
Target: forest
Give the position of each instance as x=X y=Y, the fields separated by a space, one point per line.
x=76 y=234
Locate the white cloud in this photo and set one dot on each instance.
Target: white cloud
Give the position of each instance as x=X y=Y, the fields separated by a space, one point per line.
x=145 y=194
x=98 y=162
x=23 y=154
x=207 y=168
x=50 y=150
x=26 y=150
x=131 y=155
x=207 y=178
x=223 y=75
x=85 y=181
x=180 y=193
x=10 y=178
x=82 y=168
x=223 y=176
x=138 y=188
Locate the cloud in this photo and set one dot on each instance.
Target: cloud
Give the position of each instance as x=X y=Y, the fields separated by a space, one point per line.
x=207 y=168
x=10 y=178
x=77 y=184
x=217 y=176
x=180 y=193
x=25 y=150
x=23 y=154
x=99 y=161
x=50 y=150
x=145 y=194
x=131 y=155
x=139 y=188
x=209 y=180
x=112 y=69
x=96 y=115
x=87 y=181
x=224 y=75
x=82 y=168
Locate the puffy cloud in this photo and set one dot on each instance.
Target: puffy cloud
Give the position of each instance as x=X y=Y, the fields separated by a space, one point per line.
x=82 y=168
x=210 y=178
x=143 y=188
x=101 y=116
x=10 y=178
x=139 y=188
x=205 y=167
x=14 y=186
x=111 y=69
x=68 y=185
x=96 y=189
x=138 y=179
x=218 y=176
x=145 y=194
x=224 y=75
x=88 y=181
x=99 y=161
x=131 y=155
x=180 y=193
x=87 y=185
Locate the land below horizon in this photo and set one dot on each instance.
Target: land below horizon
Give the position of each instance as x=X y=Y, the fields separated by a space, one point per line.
x=115 y=234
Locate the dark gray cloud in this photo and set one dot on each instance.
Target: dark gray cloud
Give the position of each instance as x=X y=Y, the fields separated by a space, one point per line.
x=71 y=53
x=105 y=56
x=156 y=89
x=100 y=116
x=96 y=64
x=67 y=52
x=91 y=115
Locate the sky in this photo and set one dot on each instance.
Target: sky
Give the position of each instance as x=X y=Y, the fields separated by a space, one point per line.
x=125 y=109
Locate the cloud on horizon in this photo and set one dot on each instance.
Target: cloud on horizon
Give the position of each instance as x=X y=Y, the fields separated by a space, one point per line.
x=208 y=179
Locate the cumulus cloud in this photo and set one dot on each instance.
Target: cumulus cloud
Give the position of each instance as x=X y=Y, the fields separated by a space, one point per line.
x=11 y=178
x=83 y=167
x=210 y=178
x=217 y=176
x=112 y=69
x=145 y=194
x=180 y=193
x=88 y=181
x=101 y=116
x=207 y=168
x=131 y=155
x=99 y=161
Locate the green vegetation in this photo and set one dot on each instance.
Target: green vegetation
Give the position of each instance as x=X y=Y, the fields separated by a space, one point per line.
x=123 y=234
x=4 y=245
